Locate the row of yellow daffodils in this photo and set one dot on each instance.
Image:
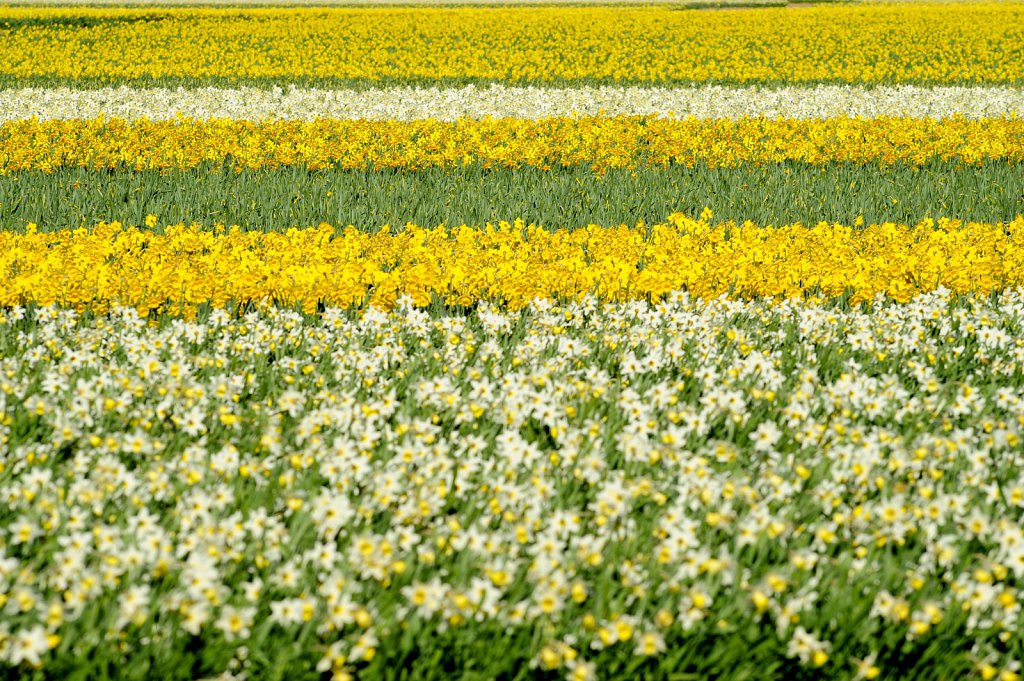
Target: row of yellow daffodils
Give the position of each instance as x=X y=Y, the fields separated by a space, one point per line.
x=612 y=142
x=507 y=263
x=973 y=42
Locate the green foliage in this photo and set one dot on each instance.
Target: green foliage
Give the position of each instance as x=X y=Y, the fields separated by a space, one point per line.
x=574 y=197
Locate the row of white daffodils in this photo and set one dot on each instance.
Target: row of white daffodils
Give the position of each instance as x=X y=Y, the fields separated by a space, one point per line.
x=780 y=490
x=499 y=101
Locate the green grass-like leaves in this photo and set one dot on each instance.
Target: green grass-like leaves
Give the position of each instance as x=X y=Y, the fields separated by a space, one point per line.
x=569 y=198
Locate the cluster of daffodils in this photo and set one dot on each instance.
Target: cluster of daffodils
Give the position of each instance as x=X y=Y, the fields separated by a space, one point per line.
x=511 y=264
x=501 y=101
x=585 y=490
x=551 y=143
x=926 y=43
x=670 y=451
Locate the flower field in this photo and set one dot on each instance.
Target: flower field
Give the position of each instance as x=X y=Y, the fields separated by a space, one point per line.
x=510 y=264
x=936 y=44
x=567 y=342
x=601 y=142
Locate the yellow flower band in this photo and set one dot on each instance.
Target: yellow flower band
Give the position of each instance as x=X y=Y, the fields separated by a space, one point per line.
x=938 y=43
x=510 y=264
x=614 y=142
